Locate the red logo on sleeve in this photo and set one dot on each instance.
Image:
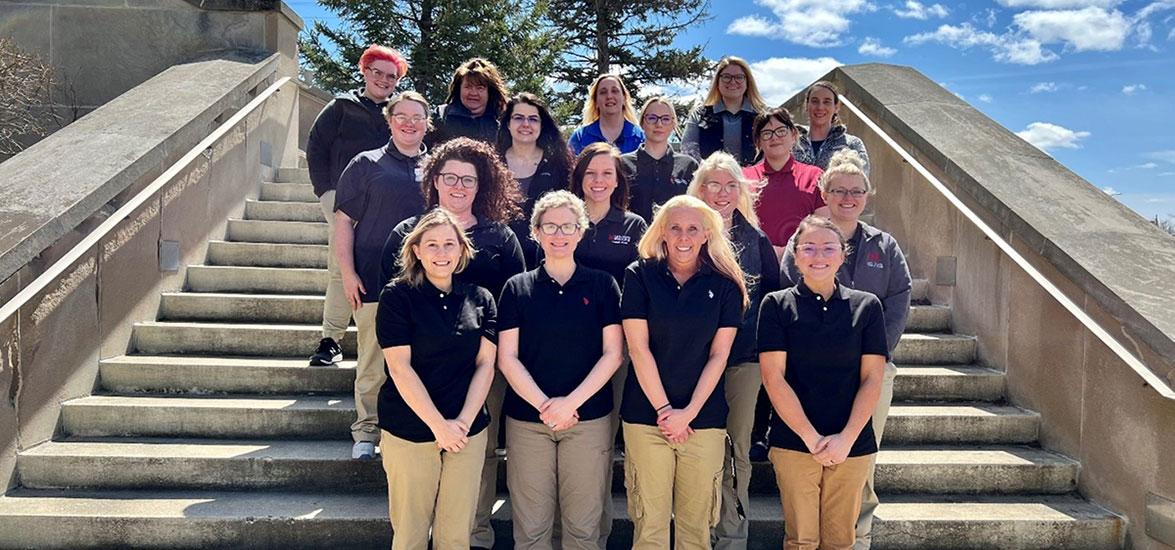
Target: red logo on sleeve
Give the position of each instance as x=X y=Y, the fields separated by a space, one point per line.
x=585 y=300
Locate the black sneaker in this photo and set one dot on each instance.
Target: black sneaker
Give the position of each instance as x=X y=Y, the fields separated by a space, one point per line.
x=328 y=353
x=759 y=451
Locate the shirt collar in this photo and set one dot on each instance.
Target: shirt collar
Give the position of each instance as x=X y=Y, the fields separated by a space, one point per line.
x=593 y=130
x=787 y=166
x=666 y=158
x=614 y=215
x=578 y=276
x=395 y=153
x=838 y=293
x=432 y=291
x=720 y=106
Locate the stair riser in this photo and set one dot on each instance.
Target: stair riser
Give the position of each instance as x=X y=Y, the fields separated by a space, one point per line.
x=100 y=421
x=247 y=309
x=954 y=351
x=283 y=211
x=293 y=175
x=250 y=231
x=921 y=430
x=928 y=319
x=123 y=378
x=262 y=255
x=269 y=281
x=948 y=388
x=288 y=192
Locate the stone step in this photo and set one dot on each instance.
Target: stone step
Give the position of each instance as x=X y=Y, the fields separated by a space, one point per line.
x=267 y=254
x=327 y=466
x=200 y=518
x=262 y=308
x=254 y=375
x=290 y=340
x=329 y=417
x=281 y=232
x=283 y=211
x=288 y=192
x=269 y=280
x=920 y=291
x=293 y=175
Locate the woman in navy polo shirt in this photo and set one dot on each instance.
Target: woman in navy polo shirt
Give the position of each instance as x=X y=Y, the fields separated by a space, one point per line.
x=608 y=116
x=560 y=343
x=683 y=303
x=610 y=241
x=823 y=350
x=720 y=183
x=658 y=172
x=536 y=154
x=465 y=177
x=875 y=264
x=437 y=335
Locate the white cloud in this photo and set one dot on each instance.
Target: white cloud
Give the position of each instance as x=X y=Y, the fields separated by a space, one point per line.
x=872 y=46
x=814 y=23
x=1089 y=29
x=1132 y=89
x=1058 y=4
x=917 y=10
x=1006 y=48
x=1046 y=136
x=1147 y=166
x=1167 y=156
x=1171 y=35
x=1042 y=87
x=985 y=98
x=780 y=78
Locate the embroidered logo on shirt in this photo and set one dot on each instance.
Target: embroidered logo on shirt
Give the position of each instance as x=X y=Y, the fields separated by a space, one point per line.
x=711 y=294
x=620 y=239
x=585 y=300
x=874 y=260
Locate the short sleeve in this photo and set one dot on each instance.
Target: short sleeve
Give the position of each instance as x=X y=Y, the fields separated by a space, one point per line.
x=574 y=142
x=489 y=318
x=393 y=317
x=509 y=308
x=351 y=196
x=772 y=330
x=634 y=303
x=731 y=312
x=873 y=340
x=608 y=301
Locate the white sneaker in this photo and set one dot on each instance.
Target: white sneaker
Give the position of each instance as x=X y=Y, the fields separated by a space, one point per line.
x=363 y=450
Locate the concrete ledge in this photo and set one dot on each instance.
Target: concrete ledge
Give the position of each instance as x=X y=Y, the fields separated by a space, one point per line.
x=49 y=190
x=250 y=5
x=1160 y=518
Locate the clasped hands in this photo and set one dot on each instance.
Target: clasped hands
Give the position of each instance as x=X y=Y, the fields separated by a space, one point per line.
x=829 y=450
x=674 y=424
x=558 y=413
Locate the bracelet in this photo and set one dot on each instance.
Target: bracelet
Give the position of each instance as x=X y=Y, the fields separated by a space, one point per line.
x=663 y=407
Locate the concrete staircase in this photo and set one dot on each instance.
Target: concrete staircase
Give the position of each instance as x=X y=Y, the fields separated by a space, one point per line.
x=214 y=432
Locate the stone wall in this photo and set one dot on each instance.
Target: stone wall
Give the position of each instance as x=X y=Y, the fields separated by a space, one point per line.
x=1116 y=267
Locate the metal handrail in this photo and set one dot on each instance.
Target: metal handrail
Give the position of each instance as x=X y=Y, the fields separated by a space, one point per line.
x=1133 y=362
x=43 y=281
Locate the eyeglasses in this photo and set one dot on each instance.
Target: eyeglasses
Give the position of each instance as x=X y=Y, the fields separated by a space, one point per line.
x=549 y=229
x=653 y=120
x=842 y=193
x=523 y=119
x=715 y=187
x=811 y=250
x=777 y=133
x=450 y=180
x=405 y=119
x=377 y=74
x=728 y=78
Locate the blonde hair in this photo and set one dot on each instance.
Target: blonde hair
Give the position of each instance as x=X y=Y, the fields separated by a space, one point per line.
x=408 y=95
x=591 y=111
x=845 y=162
x=654 y=100
x=719 y=252
x=721 y=160
x=412 y=270
x=752 y=93
x=559 y=199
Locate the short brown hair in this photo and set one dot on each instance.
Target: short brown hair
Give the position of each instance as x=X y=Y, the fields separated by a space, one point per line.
x=620 y=194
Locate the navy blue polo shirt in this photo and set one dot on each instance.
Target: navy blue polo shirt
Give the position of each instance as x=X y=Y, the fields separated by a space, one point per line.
x=498 y=255
x=655 y=181
x=445 y=332
x=560 y=334
x=610 y=244
x=378 y=189
x=760 y=266
x=824 y=341
x=683 y=320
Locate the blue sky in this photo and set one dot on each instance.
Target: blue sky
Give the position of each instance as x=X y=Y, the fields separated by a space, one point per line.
x=1088 y=81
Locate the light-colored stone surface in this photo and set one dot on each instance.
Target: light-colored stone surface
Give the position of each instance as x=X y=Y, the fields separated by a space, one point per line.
x=283 y=211
x=282 y=232
x=291 y=192
x=213 y=278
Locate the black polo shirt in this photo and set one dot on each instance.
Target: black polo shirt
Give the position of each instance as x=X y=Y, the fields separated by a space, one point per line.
x=761 y=268
x=378 y=189
x=610 y=245
x=560 y=334
x=682 y=322
x=655 y=181
x=445 y=332
x=824 y=342
x=498 y=256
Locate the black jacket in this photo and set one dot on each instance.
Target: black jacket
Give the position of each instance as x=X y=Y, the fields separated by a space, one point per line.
x=710 y=134
x=454 y=120
x=350 y=124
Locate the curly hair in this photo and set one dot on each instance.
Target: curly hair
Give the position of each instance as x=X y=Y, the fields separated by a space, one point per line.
x=497 y=193
x=620 y=196
x=550 y=140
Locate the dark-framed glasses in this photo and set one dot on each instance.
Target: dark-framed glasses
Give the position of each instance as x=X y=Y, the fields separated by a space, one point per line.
x=842 y=193
x=550 y=229
x=663 y=120
x=450 y=179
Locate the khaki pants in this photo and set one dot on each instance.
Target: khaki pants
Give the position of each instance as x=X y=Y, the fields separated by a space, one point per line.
x=564 y=470
x=742 y=389
x=428 y=487
x=820 y=504
x=336 y=312
x=369 y=376
x=664 y=480
x=869 y=500
x=483 y=532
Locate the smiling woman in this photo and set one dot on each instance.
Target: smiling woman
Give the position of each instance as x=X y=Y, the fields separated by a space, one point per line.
x=608 y=116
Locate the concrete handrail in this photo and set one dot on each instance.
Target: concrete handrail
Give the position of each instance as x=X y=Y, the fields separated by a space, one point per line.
x=93 y=238
x=1134 y=362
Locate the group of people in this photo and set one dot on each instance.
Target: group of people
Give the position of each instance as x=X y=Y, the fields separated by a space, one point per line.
x=517 y=291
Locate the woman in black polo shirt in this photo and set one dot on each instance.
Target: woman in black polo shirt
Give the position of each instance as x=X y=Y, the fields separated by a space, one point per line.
x=536 y=154
x=658 y=172
x=683 y=302
x=560 y=343
x=437 y=336
x=719 y=182
x=609 y=243
x=465 y=177
x=823 y=350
